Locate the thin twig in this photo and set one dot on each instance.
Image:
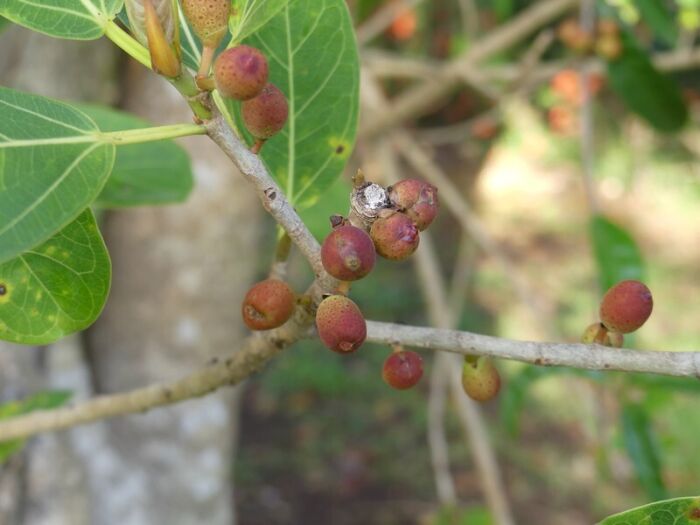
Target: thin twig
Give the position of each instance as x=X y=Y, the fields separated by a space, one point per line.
x=576 y=355
x=433 y=286
x=453 y=200
x=587 y=22
x=439 y=381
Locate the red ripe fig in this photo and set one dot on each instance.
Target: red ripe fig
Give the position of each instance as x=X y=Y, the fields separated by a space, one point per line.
x=267 y=113
x=626 y=306
x=402 y=369
x=241 y=72
x=208 y=18
x=395 y=237
x=348 y=253
x=340 y=324
x=417 y=199
x=268 y=304
x=480 y=378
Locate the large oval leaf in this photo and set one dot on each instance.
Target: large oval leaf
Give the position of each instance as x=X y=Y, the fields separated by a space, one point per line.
x=679 y=511
x=51 y=168
x=143 y=174
x=57 y=288
x=649 y=93
x=74 y=19
x=311 y=47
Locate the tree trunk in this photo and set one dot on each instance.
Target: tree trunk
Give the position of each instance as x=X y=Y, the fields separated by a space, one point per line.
x=180 y=273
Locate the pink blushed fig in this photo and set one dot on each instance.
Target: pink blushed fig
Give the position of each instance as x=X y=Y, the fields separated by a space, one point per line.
x=417 y=199
x=340 y=324
x=626 y=306
x=241 y=72
x=266 y=114
x=348 y=253
x=402 y=369
x=268 y=304
x=395 y=237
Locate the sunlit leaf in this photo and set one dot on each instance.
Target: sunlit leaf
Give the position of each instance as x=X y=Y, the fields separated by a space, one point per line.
x=57 y=288
x=52 y=166
x=311 y=48
x=679 y=511
x=74 y=19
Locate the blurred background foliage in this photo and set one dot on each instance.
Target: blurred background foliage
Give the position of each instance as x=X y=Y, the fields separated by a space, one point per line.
x=324 y=440
x=325 y=437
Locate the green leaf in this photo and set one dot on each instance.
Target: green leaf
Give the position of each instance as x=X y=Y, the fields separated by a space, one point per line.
x=40 y=401
x=650 y=94
x=74 y=19
x=660 y=19
x=313 y=59
x=52 y=166
x=250 y=15
x=58 y=287
x=143 y=174
x=678 y=511
x=641 y=447
x=616 y=253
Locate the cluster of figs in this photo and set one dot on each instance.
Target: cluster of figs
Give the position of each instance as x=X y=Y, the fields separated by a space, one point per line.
x=240 y=73
x=348 y=254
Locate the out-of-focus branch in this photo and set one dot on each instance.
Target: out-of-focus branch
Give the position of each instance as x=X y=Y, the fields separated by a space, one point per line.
x=448 y=368
x=422 y=98
x=390 y=65
x=452 y=198
x=430 y=277
x=587 y=22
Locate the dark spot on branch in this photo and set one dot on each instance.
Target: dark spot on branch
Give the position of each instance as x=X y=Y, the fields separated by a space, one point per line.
x=213 y=361
x=168 y=394
x=3 y=289
x=229 y=362
x=271 y=194
x=538 y=361
x=339 y=149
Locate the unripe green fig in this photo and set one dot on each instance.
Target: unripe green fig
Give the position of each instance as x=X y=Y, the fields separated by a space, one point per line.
x=395 y=237
x=265 y=114
x=340 y=324
x=594 y=333
x=480 y=378
x=268 y=304
x=348 y=253
x=241 y=72
x=402 y=369
x=417 y=199
x=208 y=18
x=598 y=334
x=626 y=306
x=614 y=340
